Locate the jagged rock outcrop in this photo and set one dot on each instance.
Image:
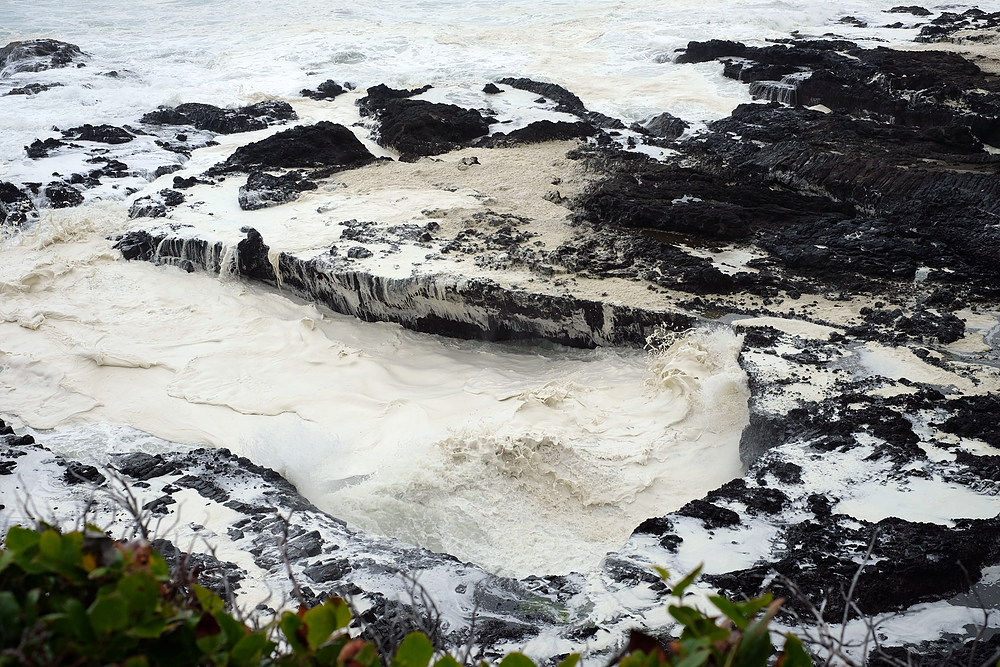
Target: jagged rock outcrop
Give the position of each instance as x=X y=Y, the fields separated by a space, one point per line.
x=222 y=121
x=16 y=206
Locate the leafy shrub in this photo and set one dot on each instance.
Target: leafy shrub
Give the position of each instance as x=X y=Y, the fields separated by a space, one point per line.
x=85 y=600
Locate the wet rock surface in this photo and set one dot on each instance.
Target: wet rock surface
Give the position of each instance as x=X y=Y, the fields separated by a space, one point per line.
x=420 y=128
x=325 y=145
x=37 y=55
x=327 y=90
x=862 y=230
x=16 y=206
x=222 y=121
x=263 y=190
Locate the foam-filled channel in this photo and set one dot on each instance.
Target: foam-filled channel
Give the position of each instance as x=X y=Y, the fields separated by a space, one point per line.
x=524 y=459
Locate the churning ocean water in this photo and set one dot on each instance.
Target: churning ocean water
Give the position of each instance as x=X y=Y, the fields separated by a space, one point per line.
x=448 y=444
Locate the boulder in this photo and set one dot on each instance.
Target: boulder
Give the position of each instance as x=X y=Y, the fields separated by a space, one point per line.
x=327 y=90
x=325 y=145
x=36 y=55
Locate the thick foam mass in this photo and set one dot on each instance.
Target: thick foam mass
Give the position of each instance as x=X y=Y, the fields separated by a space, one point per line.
x=453 y=445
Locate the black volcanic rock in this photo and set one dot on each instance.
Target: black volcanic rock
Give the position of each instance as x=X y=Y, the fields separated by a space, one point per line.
x=839 y=201
x=36 y=55
x=327 y=90
x=711 y=515
x=912 y=562
x=39 y=149
x=916 y=10
x=492 y=89
x=252 y=256
x=63 y=195
x=263 y=190
x=923 y=89
x=105 y=134
x=33 y=88
x=566 y=101
x=222 y=121
x=325 y=145
x=539 y=131
x=421 y=128
x=664 y=126
x=16 y=205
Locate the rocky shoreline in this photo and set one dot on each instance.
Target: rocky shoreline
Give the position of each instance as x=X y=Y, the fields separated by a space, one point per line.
x=847 y=227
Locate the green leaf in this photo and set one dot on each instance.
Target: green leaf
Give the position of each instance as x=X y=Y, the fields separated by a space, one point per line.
x=415 y=651
x=321 y=622
x=290 y=623
x=731 y=611
x=755 y=646
x=686 y=616
x=7 y=557
x=327 y=654
x=158 y=566
x=751 y=607
x=794 y=654
x=696 y=659
x=235 y=631
x=10 y=616
x=148 y=629
x=367 y=656
x=516 y=660
x=573 y=658
x=140 y=590
x=210 y=602
x=447 y=661
x=21 y=539
x=108 y=613
x=342 y=612
x=662 y=572
x=678 y=590
x=250 y=649
x=136 y=661
x=76 y=616
x=50 y=544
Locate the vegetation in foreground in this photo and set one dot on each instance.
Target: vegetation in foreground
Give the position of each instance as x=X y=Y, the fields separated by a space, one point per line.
x=82 y=599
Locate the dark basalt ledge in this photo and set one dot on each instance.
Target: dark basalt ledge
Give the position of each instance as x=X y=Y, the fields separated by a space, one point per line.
x=222 y=121
x=911 y=562
x=450 y=305
x=892 y=193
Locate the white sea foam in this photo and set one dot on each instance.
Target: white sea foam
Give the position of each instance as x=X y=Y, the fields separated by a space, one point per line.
x=452 y=445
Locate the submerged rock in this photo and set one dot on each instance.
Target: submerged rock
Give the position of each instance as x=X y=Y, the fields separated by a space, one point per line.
x=33 y=88
x=36 y=55
x=263 y=190
x=105 y=134
x=16 y=206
